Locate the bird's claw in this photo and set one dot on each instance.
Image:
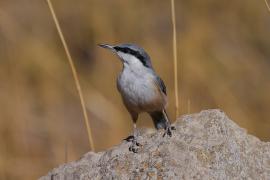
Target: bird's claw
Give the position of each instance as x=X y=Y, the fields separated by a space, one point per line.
x=134 y=147
x=168 y=131
x=130 y=138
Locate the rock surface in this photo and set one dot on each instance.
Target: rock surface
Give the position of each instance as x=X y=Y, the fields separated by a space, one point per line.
x=207 y=145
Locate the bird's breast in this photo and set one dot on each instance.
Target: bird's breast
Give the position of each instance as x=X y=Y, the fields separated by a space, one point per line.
x=140 y=92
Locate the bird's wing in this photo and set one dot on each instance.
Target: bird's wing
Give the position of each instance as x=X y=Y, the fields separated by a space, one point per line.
x=159 y=82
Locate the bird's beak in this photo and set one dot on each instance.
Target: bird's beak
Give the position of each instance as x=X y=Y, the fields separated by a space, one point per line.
x=106 y=46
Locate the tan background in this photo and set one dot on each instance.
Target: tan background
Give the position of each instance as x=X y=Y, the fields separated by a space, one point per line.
x=224 y=50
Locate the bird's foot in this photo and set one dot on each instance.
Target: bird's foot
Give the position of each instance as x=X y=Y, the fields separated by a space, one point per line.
x=168 y=131
x=134 y=147
x=129 y=138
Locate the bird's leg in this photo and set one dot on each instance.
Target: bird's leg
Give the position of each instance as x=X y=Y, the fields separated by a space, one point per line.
x=169 y=128
x=134 y=143
x=133 y=139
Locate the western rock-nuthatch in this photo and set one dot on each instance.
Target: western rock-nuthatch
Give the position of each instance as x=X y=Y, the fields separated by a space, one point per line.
x=142 y=90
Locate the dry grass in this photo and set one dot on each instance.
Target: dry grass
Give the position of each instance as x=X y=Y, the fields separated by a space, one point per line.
x=75 y=76
x=188 y=105
x=267 y=5
x=224 y=64
x=175 y=59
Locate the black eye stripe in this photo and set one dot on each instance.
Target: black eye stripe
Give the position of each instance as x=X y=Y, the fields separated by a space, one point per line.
x=132 y=52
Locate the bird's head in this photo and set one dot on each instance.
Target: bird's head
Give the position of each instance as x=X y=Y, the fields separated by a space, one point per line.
x=130 y=54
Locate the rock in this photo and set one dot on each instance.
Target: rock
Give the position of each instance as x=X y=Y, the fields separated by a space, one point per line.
x=207 y=145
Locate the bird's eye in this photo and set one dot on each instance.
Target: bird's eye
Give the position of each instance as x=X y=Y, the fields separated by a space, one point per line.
x=124 y=50
x=117 y=48
x=134 y=53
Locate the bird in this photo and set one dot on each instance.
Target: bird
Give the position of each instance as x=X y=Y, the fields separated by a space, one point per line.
x=141 y=89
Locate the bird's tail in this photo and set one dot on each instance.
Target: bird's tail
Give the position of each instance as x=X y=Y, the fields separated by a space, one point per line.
x=160 y=119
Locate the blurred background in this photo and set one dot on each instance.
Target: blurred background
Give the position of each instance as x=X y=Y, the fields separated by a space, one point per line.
x=223 y=47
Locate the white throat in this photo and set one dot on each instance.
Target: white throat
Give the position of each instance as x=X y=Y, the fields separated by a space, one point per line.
x=130 y=61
